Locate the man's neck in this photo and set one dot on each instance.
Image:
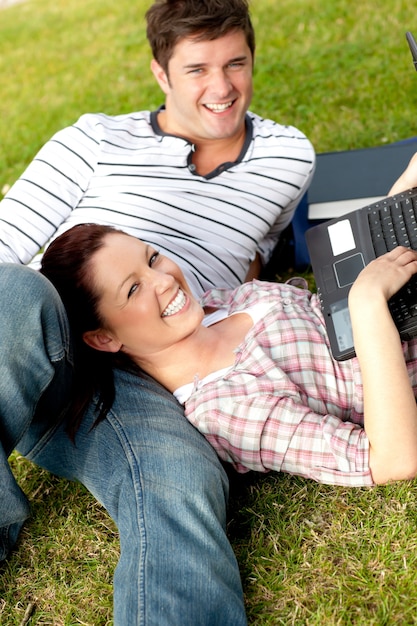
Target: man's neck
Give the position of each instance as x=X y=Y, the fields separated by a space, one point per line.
x=208 y=155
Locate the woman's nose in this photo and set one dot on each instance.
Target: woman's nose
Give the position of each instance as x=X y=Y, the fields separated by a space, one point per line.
x=162 y=281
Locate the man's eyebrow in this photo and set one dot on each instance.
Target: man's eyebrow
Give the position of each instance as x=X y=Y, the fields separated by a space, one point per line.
x=242 y=57
x=191 y=66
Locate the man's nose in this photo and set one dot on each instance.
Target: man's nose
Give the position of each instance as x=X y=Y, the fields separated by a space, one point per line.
x=220 y=84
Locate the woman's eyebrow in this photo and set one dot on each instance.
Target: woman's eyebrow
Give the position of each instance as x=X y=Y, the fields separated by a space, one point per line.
x=132 y=274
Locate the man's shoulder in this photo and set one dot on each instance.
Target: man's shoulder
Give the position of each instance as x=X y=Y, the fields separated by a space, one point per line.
x=271 y=139
x=129 y=129
x=265 y=127
x=125 y=120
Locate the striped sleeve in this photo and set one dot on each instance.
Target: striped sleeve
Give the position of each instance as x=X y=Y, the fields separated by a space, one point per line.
x=44 y=196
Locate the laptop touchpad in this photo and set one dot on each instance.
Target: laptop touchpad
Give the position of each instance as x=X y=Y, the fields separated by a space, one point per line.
x=347 y=269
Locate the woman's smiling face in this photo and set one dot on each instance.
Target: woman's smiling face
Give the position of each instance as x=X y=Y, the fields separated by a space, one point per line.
x=144 y=300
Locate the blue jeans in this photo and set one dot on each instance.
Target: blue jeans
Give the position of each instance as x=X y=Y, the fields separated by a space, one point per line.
x=155 y=474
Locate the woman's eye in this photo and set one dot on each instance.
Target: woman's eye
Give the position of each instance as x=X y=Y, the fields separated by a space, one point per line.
x=132 y=290
x=153 y=258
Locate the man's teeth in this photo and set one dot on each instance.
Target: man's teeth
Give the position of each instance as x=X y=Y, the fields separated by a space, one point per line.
x=176 y=305
x=218 y=108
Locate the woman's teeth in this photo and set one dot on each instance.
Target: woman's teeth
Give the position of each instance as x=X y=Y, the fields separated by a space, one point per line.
x=176 y=305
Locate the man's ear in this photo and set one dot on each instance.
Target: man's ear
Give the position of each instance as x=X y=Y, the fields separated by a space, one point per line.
x=101 y=340
x=161 y=76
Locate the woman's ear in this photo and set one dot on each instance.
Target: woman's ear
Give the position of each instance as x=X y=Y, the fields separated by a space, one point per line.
x=101 y=340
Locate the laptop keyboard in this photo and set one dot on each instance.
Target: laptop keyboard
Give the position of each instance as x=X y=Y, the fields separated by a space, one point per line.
x=395 y=225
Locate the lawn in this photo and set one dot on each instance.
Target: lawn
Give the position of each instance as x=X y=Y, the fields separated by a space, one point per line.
x=309 y=554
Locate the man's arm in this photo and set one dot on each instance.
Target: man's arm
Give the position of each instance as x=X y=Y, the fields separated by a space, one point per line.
x=283 y=160
x=254 y=269
x=46 y=193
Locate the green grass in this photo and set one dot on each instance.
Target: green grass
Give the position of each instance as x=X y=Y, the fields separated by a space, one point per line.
x=314 y=554
x=309 y=554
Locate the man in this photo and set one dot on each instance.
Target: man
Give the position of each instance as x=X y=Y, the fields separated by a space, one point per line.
x=208 y=184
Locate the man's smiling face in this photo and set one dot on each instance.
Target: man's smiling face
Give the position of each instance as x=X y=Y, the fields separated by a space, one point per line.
x=208 y=88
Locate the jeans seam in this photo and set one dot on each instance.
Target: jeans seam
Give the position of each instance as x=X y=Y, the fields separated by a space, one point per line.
x=136 y=480
x=28 y=424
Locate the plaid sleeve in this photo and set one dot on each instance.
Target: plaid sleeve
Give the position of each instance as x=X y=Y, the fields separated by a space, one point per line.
x=263 y=432
x=321 y=447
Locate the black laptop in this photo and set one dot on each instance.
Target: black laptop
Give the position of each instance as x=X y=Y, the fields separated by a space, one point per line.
x=340 y=248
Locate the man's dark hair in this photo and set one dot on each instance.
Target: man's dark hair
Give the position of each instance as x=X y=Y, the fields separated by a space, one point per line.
x=172 y=20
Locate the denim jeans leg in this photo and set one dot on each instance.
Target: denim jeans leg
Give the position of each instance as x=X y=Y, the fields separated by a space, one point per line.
x=163 y=485
x=156 y=475
x=34 y=357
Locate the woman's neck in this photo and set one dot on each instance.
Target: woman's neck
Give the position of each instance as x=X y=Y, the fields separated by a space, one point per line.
x=208 y=350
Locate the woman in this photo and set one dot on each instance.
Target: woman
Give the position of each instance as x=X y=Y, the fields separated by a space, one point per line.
x=252 y=366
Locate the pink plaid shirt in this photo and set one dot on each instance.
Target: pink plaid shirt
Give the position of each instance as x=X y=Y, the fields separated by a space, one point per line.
x=286 y=404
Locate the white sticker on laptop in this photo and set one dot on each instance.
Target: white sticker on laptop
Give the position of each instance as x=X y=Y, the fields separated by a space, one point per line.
x=341 y=237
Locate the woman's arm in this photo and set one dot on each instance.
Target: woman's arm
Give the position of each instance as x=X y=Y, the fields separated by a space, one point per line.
x=408 y=178
x=390 y=412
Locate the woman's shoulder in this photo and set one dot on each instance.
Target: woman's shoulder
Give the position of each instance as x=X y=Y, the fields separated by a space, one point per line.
x=246 y=295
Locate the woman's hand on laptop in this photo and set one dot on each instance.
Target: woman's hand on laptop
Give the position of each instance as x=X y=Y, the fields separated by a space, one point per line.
x=390 y=412
x=384 y=276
